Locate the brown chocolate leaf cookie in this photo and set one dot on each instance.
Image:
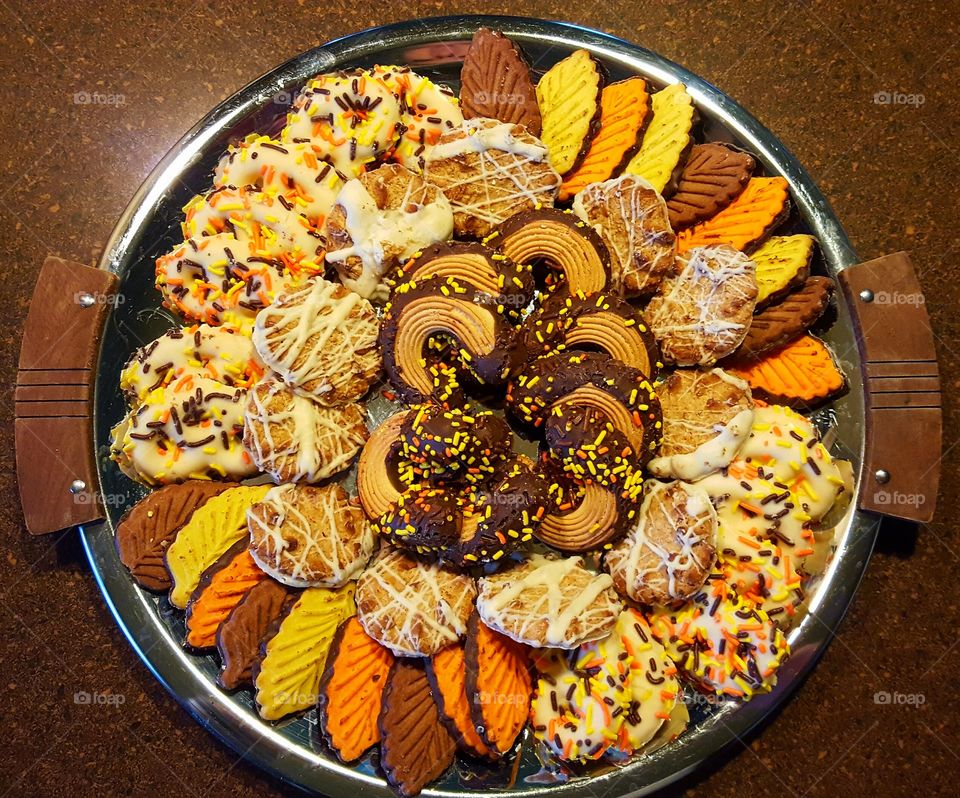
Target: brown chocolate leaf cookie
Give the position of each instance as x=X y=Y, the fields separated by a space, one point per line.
x=415 y=746
x=238 y=638
x=495 y=82
x=712 y=178
x=146 y=530
x=790 y=318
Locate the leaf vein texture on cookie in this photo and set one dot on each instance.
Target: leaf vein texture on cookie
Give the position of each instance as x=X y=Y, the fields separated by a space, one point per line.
x=783 y=263
x=780 y=323
x=287 y=677
x=745 y=222
x=239 y=636
x=211 y=530
x=667 y=139
x=624 y=113
x=569 y=99
x=447 y=671
x=713 y=176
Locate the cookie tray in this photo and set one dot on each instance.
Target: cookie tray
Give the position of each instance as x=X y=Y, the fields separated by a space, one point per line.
x=84 y=322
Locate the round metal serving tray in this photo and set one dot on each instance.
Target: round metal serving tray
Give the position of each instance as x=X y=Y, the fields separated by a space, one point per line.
x=150 y=226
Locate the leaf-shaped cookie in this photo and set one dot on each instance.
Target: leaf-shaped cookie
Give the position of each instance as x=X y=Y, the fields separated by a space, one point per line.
x=800 y=374
x=146 y=530
x=788 y=319
x=624 y=113
x=447 y=673
x=351 y=691
x=783 y=263
x=211 y=530
x=666 y=140
x=415 y=746
x=711 y=179
x=746 y=221
x=239 y=636
x=498 y=684
x=495 y=82
x=287 y=676
x=569 y=99
x=221 y=587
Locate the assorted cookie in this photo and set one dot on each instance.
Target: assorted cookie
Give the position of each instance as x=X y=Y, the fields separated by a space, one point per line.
x=554 y=267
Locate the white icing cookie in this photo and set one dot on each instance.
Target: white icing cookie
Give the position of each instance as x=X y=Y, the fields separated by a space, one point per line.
x=309 y=537
x=216 y=353
x=547 y=602
x=352 y=117
x=380 y=220
x=188 y=429
x=296 y=439
x=295 y=171
x=413 y=607
x=321 y=340
x=723 y=641
x=703 y=313
x=706 y=418
x=667 y=556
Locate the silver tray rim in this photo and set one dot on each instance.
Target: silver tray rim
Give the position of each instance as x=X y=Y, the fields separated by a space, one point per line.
x=260 y=742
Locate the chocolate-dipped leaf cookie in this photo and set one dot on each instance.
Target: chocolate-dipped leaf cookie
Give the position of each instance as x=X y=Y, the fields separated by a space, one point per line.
x=569 y=98
x=783 y=263
x=447 y=672
x=780 y=323
x=495 y=82
x=713 y=176
x=415 y=745
x=147 y=529
x=667 y=139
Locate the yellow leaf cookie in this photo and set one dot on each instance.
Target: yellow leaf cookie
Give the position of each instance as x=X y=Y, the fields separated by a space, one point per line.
x=569 y=98
x=287 y=677
x=783 y=263
x=211 y=530
x=746 y=221
x=667 y=139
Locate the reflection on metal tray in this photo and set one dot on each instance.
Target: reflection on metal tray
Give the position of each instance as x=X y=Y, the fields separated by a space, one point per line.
x=150 y=226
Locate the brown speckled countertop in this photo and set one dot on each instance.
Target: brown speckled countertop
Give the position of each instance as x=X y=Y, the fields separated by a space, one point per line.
x=819 y=74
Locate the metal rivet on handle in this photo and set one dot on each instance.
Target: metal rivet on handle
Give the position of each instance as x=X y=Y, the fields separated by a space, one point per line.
x=77 y=486
x=866 y=295
x=86 y=300
x=882 y=476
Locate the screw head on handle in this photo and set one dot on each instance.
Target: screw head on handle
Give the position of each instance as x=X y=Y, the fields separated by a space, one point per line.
x=882 y=476
x=866 y=295
x=77 y=486
x=86 y=299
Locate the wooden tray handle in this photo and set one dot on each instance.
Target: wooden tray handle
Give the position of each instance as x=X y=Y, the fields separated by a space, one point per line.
x=901 y=466
x=53 y=398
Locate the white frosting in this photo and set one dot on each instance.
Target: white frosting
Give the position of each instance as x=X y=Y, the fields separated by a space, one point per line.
x=374 y=232
x=710 y=456
x=479 y=138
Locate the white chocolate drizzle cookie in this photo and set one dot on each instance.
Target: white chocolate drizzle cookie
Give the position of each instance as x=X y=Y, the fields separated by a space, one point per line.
x=381 y=219
x=321 y=340
x=309 y=537
x=219 y=279
x=706 y=418
x=724 y=642
x=490 y=170
x=352 y=117
x=294 y=171
x=427 y=111
x=548 y=602
x=217 y=353
x=703 y=313
x=631 y=218
x=271 y=225
x=188 y=429
x=413 y=607
x=667 y=556
x=296 y=439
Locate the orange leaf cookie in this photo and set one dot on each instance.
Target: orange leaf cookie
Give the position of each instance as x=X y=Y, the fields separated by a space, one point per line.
x=498 y=684
x=624 y=113
x=351 y=691
x=802 y=373
x=447 y=671
x=220 y=589
x=746 y=221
